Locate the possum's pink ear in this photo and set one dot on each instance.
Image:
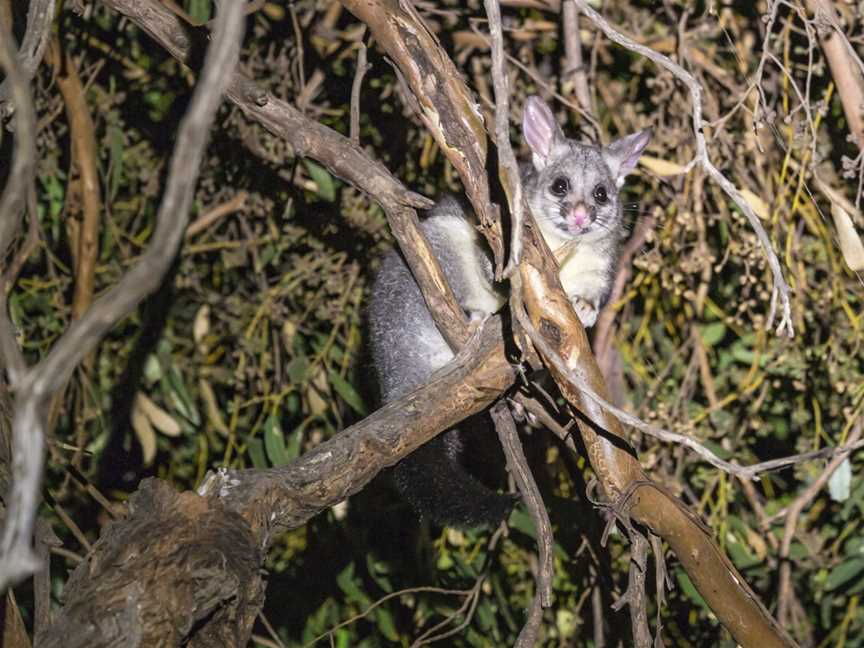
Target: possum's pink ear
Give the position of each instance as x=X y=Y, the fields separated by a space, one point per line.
x=541 y=131
x=623 y=154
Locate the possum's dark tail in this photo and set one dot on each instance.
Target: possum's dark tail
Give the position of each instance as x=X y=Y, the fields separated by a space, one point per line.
x=433 y=480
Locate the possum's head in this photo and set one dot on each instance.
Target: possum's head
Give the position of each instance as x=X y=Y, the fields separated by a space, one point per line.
x=573 y=191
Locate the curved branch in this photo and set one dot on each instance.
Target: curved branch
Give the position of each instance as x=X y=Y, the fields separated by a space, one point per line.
x=35 y=386
x=448 y=109
x=278 y=499
x=343 y=157
x=558 y=334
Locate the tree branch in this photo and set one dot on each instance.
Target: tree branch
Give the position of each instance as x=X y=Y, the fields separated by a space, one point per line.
x=447 y=107
x=36 y=385
x=40 y=16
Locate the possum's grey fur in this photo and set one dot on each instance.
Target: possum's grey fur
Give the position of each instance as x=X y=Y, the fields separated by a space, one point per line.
x=572 y=190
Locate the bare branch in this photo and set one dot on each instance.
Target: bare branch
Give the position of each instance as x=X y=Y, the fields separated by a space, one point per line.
x=23 y=164
x=845 y=67
x=558 y=335
x=33 y=388
x=18 y=186
x=508 y=169
x=575 y=74
x=517 y=465
x=447 y=106
x=40 y=16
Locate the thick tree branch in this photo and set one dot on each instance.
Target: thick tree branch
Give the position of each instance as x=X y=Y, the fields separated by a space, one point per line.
x=24 y=162
x=447 y=108
x=277 y=499
x=200 y=555
x=16 y=557
x=558 y=335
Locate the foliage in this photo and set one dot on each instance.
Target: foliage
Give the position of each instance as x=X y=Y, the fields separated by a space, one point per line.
x=252 y=352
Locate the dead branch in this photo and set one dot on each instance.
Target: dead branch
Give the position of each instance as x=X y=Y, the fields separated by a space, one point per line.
x=24 y=162
x=40 y=16
x=34 y=387
x=575 y=75
x=16 y=557
x=845 y=66
x=86 y=160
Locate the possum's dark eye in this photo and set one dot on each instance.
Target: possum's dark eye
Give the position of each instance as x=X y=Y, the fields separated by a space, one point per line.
x=560 y=186
x=600 y=195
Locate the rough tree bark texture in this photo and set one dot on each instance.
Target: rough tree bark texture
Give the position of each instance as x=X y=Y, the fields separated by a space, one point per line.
x=177 y=560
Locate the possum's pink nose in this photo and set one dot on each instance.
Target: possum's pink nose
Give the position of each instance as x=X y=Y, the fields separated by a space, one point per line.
x=579 y=215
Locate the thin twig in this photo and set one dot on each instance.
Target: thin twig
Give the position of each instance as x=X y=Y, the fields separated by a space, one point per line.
x=517 y=465
x=356 y=85
x=508 y=169
x=215 y=214
x=403 y=592
x=744 y=472
x=575 y=71
x=780 y=289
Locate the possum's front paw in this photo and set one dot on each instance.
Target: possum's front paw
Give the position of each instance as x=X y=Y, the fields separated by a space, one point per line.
x=586 y=311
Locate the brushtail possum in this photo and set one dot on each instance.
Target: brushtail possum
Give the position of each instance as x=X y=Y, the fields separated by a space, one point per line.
x=572 y=190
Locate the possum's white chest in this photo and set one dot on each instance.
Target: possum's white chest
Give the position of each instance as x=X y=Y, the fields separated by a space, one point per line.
x=584 y=265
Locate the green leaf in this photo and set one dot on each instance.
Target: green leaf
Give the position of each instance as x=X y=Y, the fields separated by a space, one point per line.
x=199 y=10
x=255 y=448
x=180 y=397
x=274 y=442
x=292 y=446
x=740 y=556
x=322 y=178
x=347 y=392
x=297 y=370
x=689 y=589
x=717 y=449
x=385 y=623
x=346 y=582
x=844 y=572
x=840 y=483
x=485 y=615
x=713 y=333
